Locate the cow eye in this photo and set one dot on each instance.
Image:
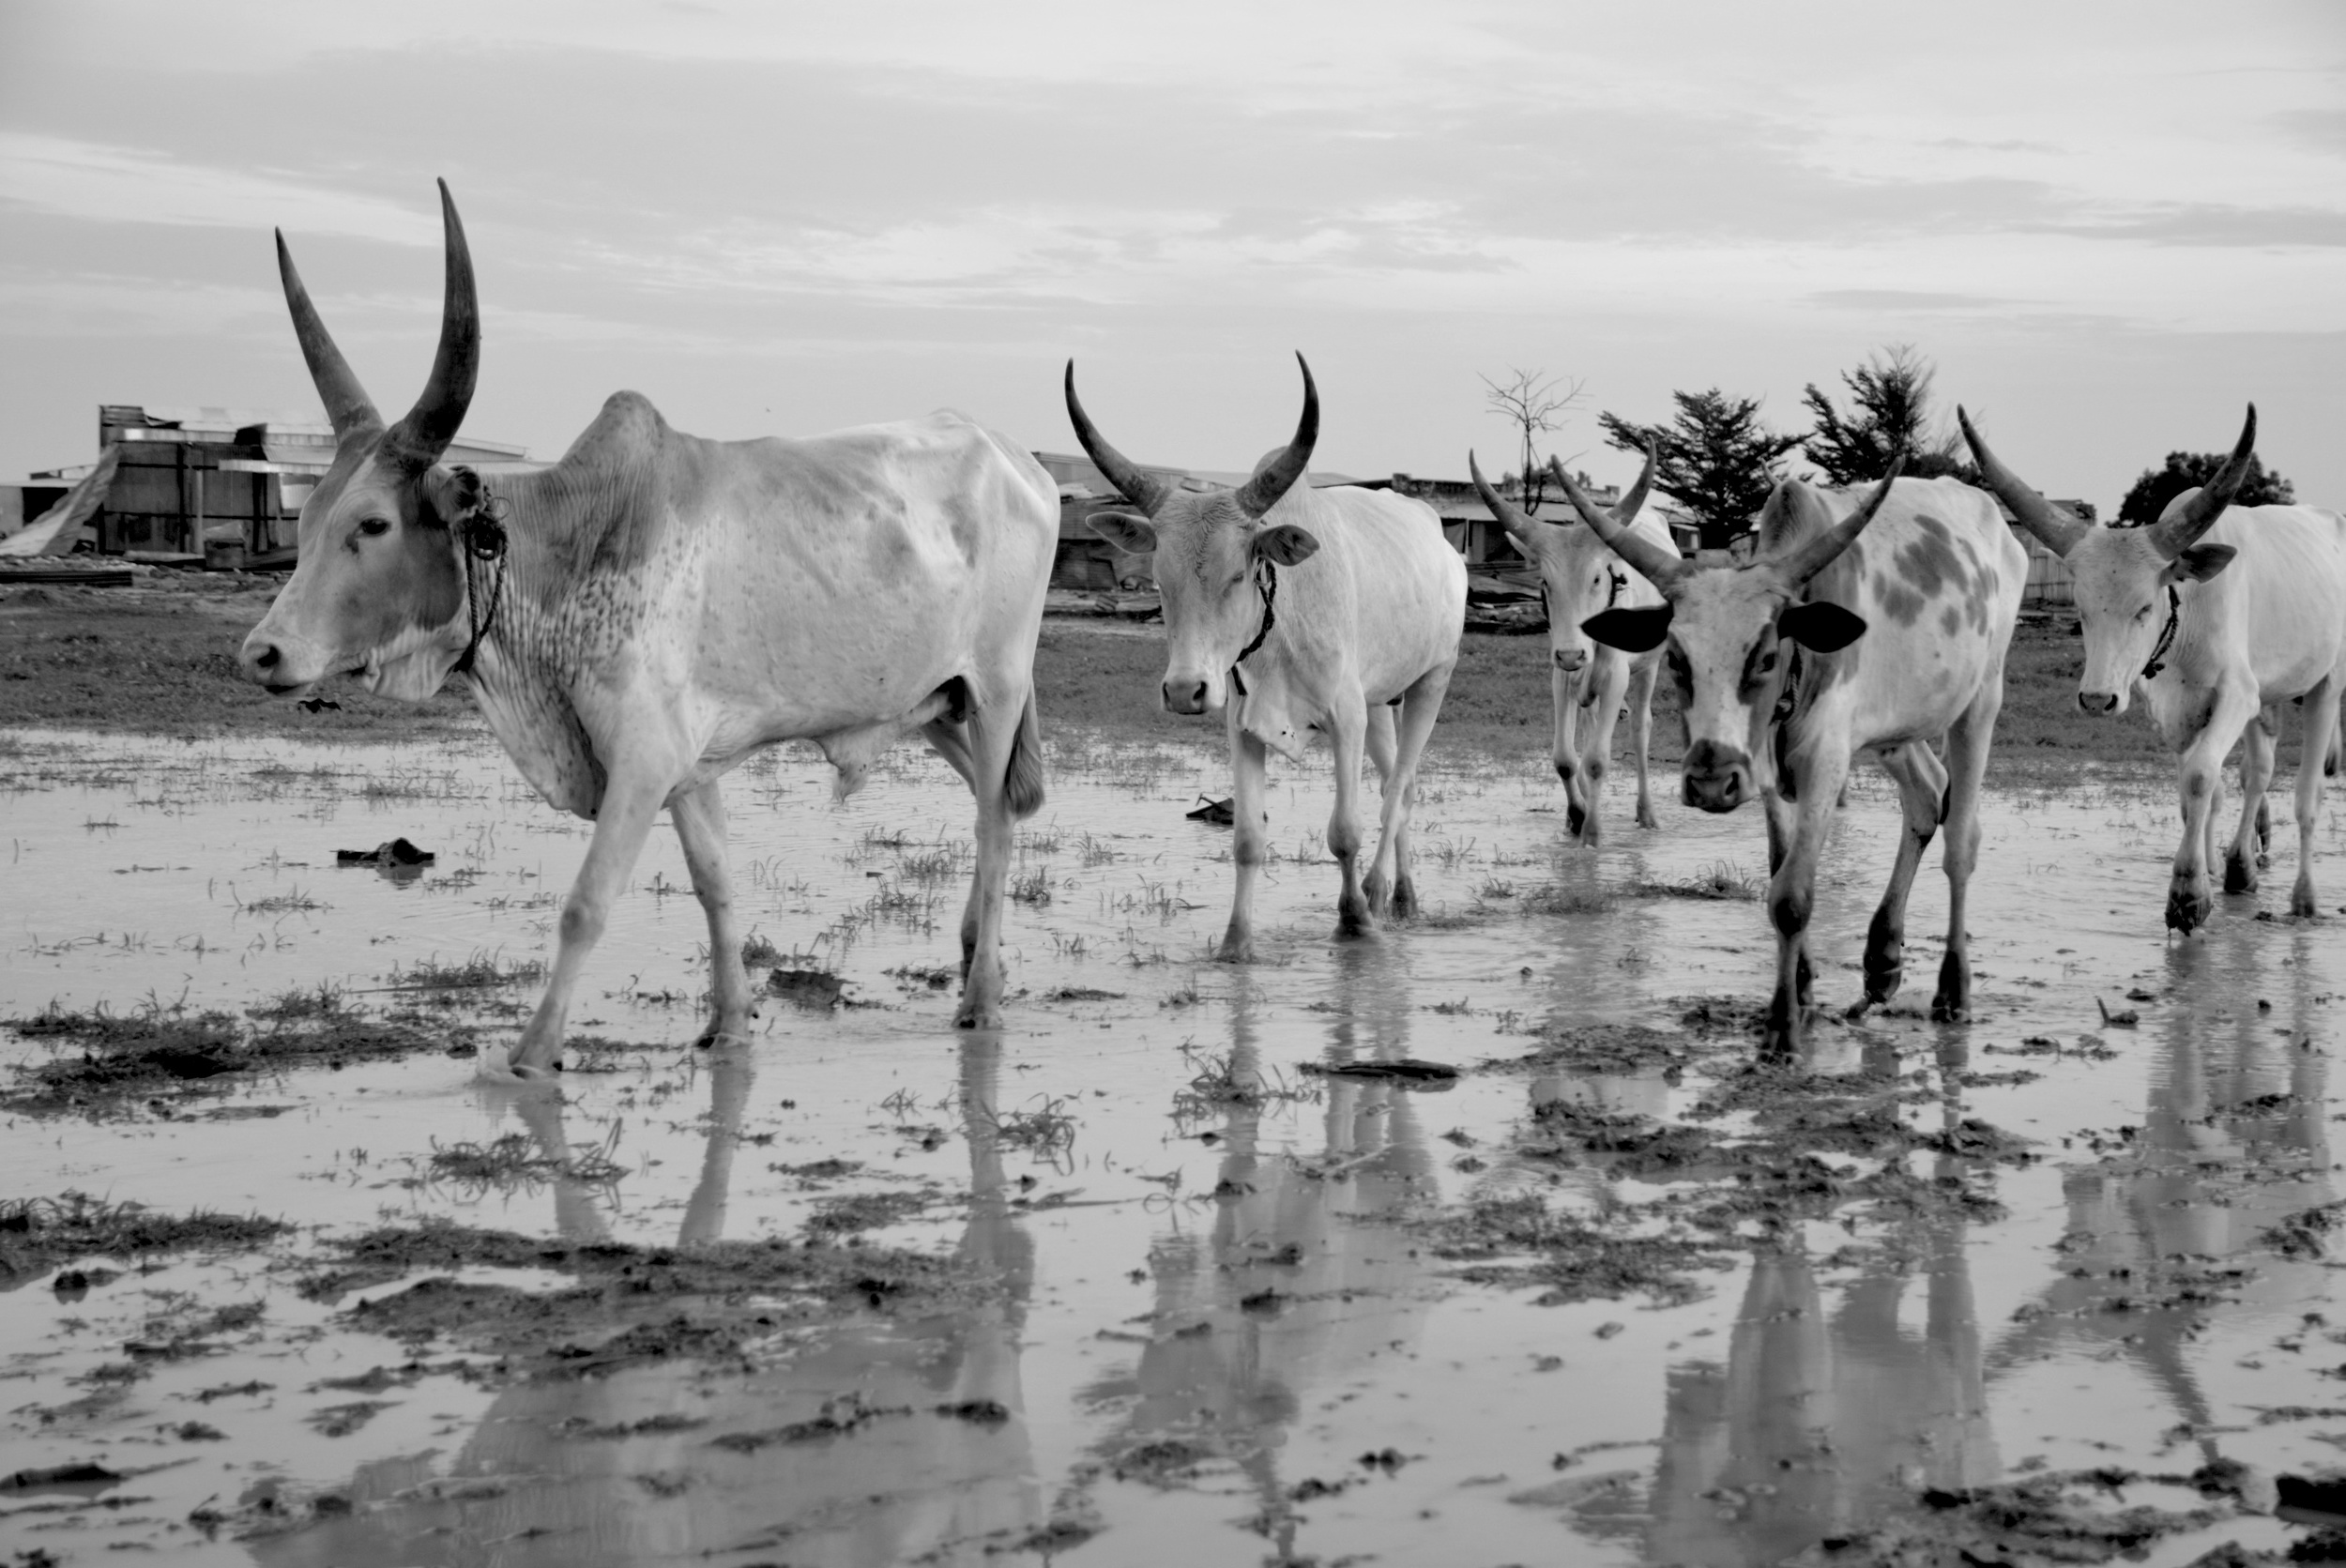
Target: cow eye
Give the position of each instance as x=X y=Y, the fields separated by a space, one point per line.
x=374 y=527
x=2144 y=613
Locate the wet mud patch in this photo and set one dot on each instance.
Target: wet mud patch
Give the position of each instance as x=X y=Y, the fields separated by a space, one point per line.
x=38 y=1234
x=103 y=1064
x=617 y=1306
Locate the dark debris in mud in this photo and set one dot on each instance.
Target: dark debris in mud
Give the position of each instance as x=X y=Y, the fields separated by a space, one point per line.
x=37 y=1233
x=1527 y=1243
x=2065 y=1517
x=621 y=1306
x=103 y=1063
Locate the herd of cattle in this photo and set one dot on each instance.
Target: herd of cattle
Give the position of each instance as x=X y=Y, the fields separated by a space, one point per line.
x=642 y=616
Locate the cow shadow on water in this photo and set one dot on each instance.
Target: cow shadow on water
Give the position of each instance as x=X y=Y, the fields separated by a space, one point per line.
x=575 y=1473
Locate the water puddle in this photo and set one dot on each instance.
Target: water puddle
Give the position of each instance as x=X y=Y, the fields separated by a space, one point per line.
x=1158 y=1274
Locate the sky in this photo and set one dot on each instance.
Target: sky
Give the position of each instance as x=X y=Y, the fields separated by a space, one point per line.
x=2110 y=226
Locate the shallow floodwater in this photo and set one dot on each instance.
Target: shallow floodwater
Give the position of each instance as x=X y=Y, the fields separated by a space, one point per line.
x=1220 y=1334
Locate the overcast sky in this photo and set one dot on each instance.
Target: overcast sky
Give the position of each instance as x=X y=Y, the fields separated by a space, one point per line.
x=2109 y=225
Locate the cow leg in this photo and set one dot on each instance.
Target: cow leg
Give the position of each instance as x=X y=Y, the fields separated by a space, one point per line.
x=1250 y=827
x=1565 y=689
x=1378 y=742
x=1347 y=725
x=1641 y=735
x=994 y=735
x=1419 y=706
x=1922 y=788
x=1610 y=675
x=631 y=800
x=2199 y=783
x=1791 y=893
x=2256 y=777
x=2319 y=733
x=699 y=816
x=1968 y=740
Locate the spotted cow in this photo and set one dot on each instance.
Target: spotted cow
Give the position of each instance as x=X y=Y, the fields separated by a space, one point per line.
x=1588 y=682
x=2217 y=615
x=1871 y=624
x=1289 y=611
x=647 y=611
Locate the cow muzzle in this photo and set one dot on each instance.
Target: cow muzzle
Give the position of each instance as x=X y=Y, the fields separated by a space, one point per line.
x=1191 y=694
x=283 y=668
x=1716 y=778
x=2099 y=702
x=1572 y=661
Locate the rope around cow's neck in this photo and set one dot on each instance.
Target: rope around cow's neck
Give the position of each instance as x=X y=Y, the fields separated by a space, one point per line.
x=1266 y=585
x=2165 y=636
x=481 y=538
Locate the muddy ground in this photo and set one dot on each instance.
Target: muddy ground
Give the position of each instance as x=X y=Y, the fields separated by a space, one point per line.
x=1484 y=1240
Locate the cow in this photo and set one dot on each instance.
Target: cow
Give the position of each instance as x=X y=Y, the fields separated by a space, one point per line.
x=653 y=608
x=1822 y=644
x=2217 y=614
x=1366 y=620
x=1579 y=576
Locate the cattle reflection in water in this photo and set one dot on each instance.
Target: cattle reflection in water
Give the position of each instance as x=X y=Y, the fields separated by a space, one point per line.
x=887 y=1493
x=1223 y=1377
x=2234 y=1139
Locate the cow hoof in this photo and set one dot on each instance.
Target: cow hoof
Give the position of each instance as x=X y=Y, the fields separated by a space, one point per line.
x=1404 y=897
x=1646 y=817
x=974 y=1015
x=1573 y=818
x=1948 y=1010
x=1235 y=949
x=2239 y=875
x=1379 y=893
x=518 y=1072
x=713 y=1036
x=2301 y=905
x=2188 y=908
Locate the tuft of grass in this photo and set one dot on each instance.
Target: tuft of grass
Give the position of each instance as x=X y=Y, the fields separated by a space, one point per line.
x=486 y=968
x=1033 y=888
x=759 y=953
x=1559 y=898
x=1048 y=1131
x=1721 y=879
x=322 y=1002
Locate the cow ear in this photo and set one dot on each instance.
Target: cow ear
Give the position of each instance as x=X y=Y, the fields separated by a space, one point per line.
x=1285 y=544
x=2201 y=562
x=1129 y=531
x=1820 y=626
x=1638 y=630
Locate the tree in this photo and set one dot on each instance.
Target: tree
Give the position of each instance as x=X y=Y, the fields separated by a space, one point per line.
x=2185 y=471
x=1714 y=458
x=1530 y=403
x=1890 y=416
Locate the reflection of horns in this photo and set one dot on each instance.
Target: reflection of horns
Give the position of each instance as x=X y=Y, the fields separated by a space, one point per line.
x=416 y=441
x=1509 y=514
x=1277 y=478
x=2176 y=534
x=2058 y=530
x=1658 y=564
x=346 y=402
x=1805 y=561
x=1626 y=513
x=1121 y=471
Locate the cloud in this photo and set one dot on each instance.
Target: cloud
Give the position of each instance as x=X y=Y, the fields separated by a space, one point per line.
x=100 y=183
x=1907 y=300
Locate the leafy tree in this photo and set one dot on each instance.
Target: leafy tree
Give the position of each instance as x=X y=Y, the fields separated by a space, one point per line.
x=1714 y=458
x=2185 y=471
x=1530 y=403
x=1890 y=415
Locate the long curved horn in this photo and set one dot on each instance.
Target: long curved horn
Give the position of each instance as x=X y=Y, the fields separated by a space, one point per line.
x=1509 y=514
x=1805 y=561
x=1625 y=511
x=1275 y=478
x=1138 y=488
x=346 y=402
x=420 y=438
x=2059 y=531
x=1657 y=564
x=2176 y=534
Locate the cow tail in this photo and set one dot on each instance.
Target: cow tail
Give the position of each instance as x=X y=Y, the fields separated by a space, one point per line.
x=1021 y=781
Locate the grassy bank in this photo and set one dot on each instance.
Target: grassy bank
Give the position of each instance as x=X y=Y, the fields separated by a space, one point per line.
x=162 y=660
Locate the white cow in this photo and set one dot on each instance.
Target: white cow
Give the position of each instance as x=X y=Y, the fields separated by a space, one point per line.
x=2218 y=614
x=1579 y=577
x=1822 y=644
x=1366 y=619
x=642 y=616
